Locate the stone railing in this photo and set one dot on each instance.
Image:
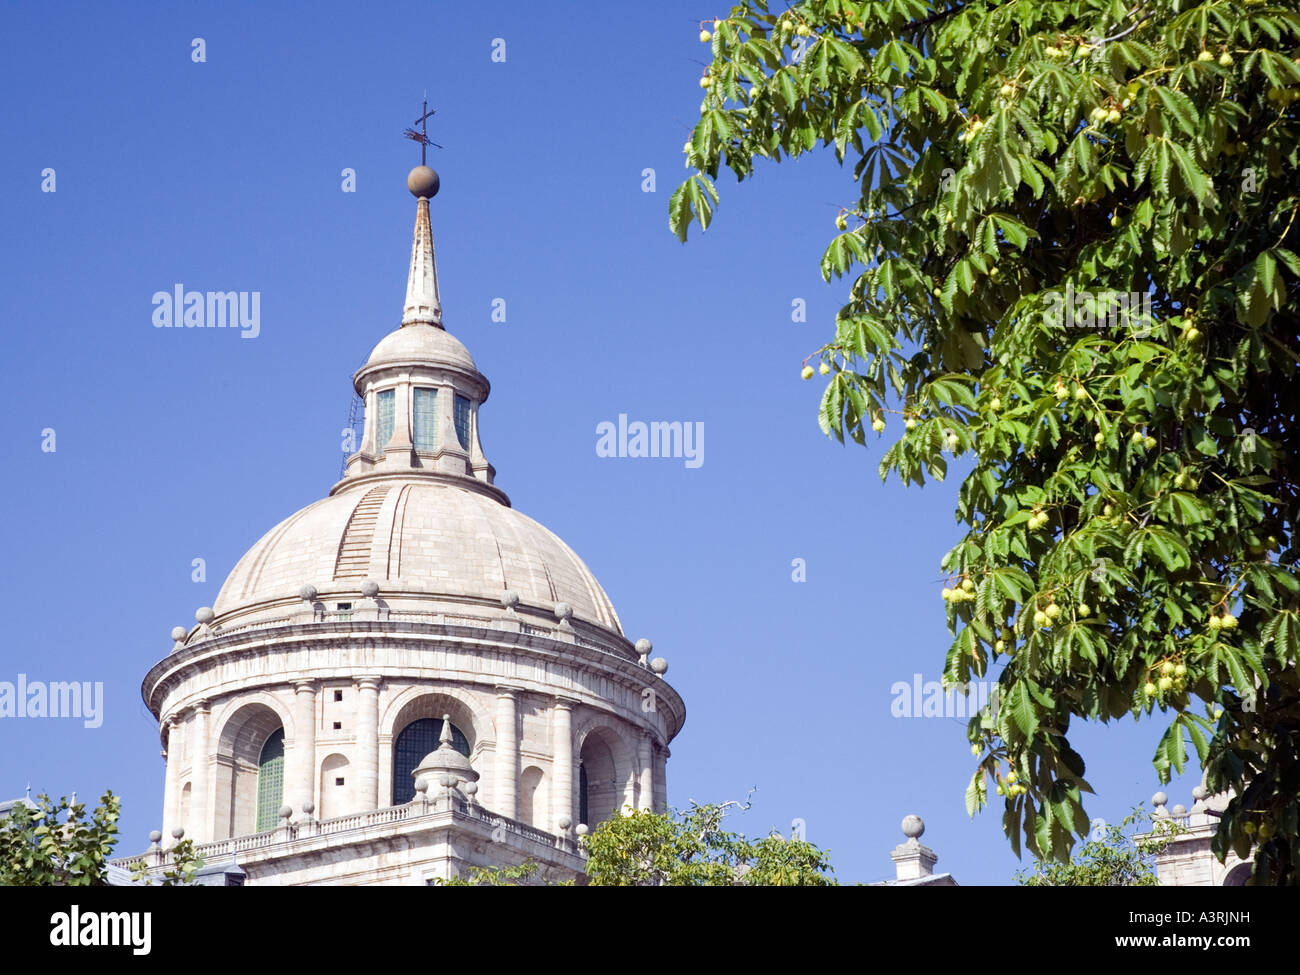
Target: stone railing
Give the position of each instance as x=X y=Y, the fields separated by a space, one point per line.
x=302 y=830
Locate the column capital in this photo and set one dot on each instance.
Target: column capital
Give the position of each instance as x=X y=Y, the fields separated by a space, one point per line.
x=368 y=681
x=565 y=703
x=304 y=686
x=508 y=690
x=203 y=706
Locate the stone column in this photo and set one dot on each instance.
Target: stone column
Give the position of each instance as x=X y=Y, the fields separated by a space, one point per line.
x=366 y=795
x=199 y=828
x=171 y=791
x=661 y=780
x=645 y=790
x=300 y=786
x=562 y=770
x=507 y=757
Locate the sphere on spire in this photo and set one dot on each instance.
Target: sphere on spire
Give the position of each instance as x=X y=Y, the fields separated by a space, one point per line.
x=422 y=182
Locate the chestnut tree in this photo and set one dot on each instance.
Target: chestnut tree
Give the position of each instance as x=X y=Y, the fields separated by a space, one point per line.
x=1070 y=250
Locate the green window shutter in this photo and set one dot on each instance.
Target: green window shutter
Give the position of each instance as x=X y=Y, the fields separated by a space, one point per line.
x=425 y=415
x=270 y=781
x=384 y=400
x=462 y=421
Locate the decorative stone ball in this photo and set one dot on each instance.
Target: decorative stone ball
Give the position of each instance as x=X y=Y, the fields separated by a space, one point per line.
x=1159 y=799
x=447 y=781
x=423 y=182
x=644 y=646
x=563 y=611
x=155 y=835
x=564 y=822
x=309 y=807
x=307 y=592
x=1200 y=792
x=581 y=829
x=370 y=589
x=179 y=633
x=510 y=599
x=913 y=827
x=421 y=786
x=204 y=614
x=1179 y=810
x=178 y=832
x=659 y=665
x=286 y=811
x=471 y=788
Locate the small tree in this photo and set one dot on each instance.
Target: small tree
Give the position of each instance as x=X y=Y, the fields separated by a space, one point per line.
x=55 y=845
x=1111 y=858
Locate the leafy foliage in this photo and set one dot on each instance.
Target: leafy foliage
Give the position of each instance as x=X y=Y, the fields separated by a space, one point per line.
x=691 y=849
x=183 y=865
x=55 y=845
x=519 y=875
x=1110 y=858
x=1072 y=252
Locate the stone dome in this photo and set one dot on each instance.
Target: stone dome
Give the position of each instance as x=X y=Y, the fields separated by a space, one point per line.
x=419 y=538
x=421 y=343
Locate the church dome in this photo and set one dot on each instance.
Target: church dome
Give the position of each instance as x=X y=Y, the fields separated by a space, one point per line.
x=421 y=343
x=427 y=540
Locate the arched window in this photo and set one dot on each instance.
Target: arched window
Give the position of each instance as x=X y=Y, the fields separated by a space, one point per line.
x=416 y=740
x=270 y=781
x=425 y=415
x=385 y=400
x=462 y=420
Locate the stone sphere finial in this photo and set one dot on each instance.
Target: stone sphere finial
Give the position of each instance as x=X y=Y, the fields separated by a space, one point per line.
x=470 y=789
x=204 y=614
x=155 y=835
x=510 y=599
x=179 y=633
x=178 y=833
x=370 y=589
x=581 y=829
x=1159 y=799
x=644 y=646
x=659 y=665
x=563 y=611
x=913 y=827
x=421 y=786
x=423 y=182
x=307 y=593
x=308 y=807
x=1200 y=792
x=564 y=822
x=286 y=811
x=1179 y=810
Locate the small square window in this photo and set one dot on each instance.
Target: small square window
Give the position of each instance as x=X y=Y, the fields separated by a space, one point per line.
x=338 y=695
x=338 y=781
x=344 y=606
x=338 y=725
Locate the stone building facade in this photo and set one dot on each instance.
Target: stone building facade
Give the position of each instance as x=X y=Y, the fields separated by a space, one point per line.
x=409 y=676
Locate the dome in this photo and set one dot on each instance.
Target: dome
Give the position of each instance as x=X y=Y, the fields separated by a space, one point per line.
x=425 y=343
x=421 y=538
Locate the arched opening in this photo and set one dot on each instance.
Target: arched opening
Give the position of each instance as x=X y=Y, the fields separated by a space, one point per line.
x=249 y=772
x=185 y=809
x=414 y=742
x=532 y=796
x=599 y=792
x=270 y=781
x=1237 y=876
x=335 y=787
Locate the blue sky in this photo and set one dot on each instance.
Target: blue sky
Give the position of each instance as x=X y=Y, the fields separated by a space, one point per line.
x=176 y=444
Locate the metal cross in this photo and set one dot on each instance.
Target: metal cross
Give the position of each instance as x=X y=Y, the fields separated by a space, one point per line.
x=422 y=136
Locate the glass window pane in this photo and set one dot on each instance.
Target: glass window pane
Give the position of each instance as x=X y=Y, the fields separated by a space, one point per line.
x=425 y=416
x=462 y=421
x=384 y=428
x=270 y=781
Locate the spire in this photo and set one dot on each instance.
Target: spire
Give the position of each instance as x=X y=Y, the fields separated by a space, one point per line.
x=444 y=737
x=423 y=305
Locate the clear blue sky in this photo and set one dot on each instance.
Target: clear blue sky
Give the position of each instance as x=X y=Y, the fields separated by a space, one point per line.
x=174 y=444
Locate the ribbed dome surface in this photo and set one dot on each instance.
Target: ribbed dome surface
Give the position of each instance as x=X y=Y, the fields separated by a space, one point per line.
x=418 y=536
